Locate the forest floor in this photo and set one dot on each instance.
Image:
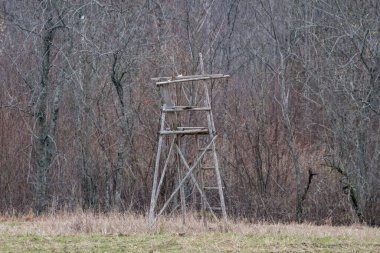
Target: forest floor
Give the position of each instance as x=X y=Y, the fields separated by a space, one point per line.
x=84 y=232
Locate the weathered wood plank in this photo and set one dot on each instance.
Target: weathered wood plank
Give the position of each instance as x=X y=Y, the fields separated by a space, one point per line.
x=157 y=191
x=208 y=168
x=202 y=77
x=180 y=77
x=211 y=187
x=185 y=108
x=189 y=131
x=156 y=171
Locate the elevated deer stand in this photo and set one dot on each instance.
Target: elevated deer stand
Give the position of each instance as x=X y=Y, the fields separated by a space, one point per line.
x=185 y=100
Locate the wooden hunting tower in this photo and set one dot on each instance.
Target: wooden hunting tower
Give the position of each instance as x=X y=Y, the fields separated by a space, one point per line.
x=187 y=148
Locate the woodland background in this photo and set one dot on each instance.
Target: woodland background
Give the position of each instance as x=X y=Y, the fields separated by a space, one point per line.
x=298 y=121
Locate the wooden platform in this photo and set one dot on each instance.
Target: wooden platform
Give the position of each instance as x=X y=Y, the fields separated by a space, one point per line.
x=180 y=79
x=186 y=131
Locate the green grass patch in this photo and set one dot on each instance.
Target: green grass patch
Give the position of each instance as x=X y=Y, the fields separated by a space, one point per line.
x=89 y=234
x=204 y=242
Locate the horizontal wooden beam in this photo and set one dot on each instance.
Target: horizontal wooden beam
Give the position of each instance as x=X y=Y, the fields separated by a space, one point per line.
x=208 y=168
x=185 y=108
x=211 y=187
x=201 y=149
x=167 y=78
x=185 y=131
x=182 y=79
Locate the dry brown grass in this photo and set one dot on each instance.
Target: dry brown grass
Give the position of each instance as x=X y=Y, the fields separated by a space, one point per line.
x=82 y=232
x=117 y=223
x=91 y=223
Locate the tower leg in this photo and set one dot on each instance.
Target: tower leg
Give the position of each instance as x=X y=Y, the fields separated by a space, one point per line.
x=153 y=198
x=211 y=127
x=182 y=187
x=203 y=201
x=220 y=186
x=154 y=188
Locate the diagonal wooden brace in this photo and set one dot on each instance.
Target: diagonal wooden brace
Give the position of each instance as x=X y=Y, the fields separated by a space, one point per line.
x=183 y=180
x=196 y=183
x=164 y=170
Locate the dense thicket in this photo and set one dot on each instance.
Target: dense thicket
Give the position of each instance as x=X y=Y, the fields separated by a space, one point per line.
x=298 y=122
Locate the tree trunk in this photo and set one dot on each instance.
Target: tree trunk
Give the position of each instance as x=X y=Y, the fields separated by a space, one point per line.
x=120 y=165
x=120 y=158
x=289 y=135
x=43 y=145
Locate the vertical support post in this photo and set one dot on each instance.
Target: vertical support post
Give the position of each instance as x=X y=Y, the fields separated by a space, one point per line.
x=201 y=177
x=165 y=167
x=201 y=64
x=194 y=193
x=153 y=198
x=220 y=185
x=212 y=131
x=182 y=187
x=203 y=204
x=203 y=201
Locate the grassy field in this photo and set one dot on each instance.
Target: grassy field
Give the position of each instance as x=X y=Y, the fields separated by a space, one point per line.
x=128 y=233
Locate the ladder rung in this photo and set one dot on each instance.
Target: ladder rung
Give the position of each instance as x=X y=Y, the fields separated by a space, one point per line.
x=187 y=131
x=211 y=188
x=202 y=149
x=207 y=168
x=184 y=128
x=179 y=77
x=185 y=108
